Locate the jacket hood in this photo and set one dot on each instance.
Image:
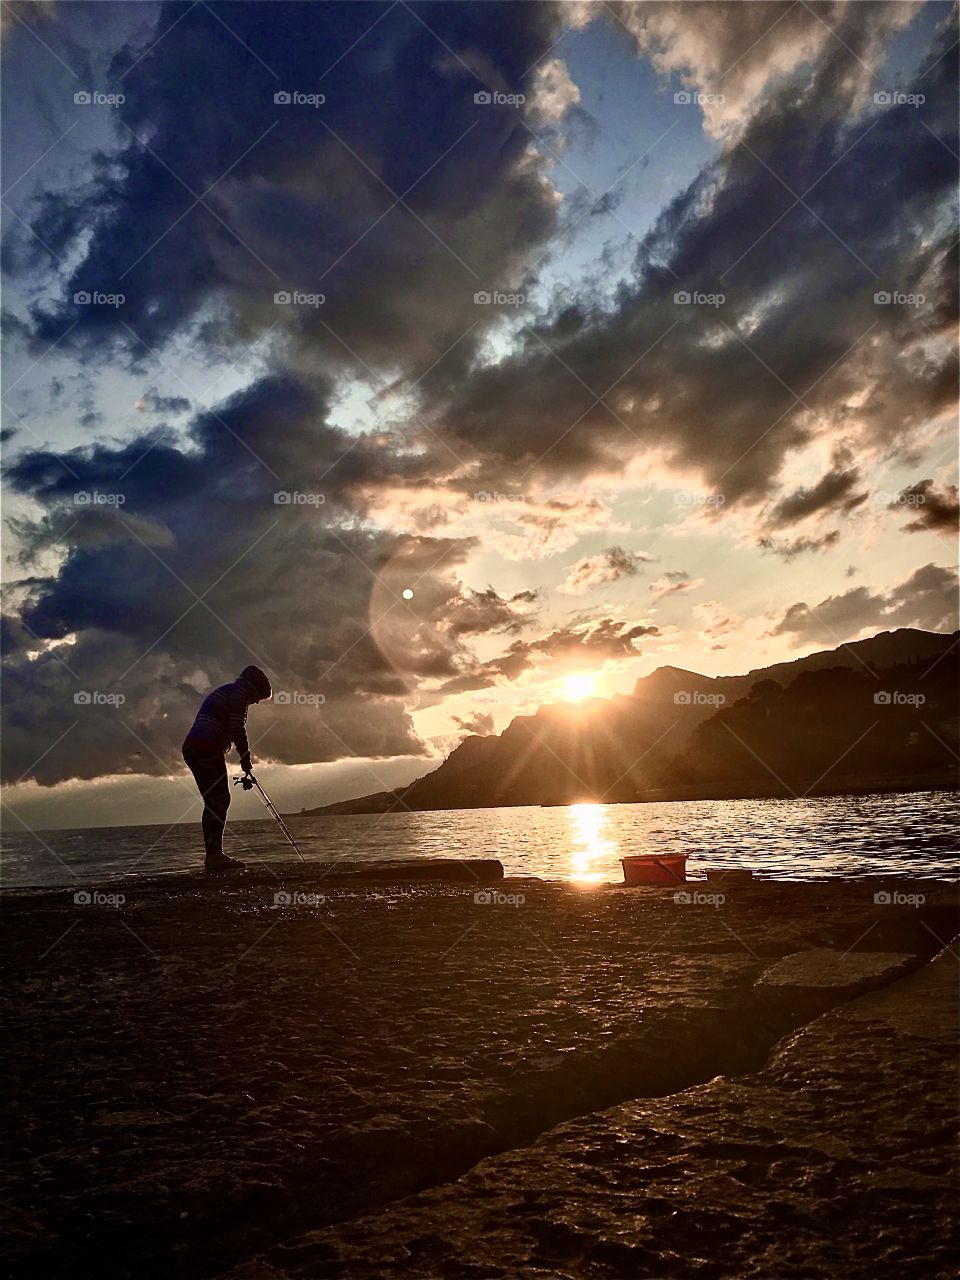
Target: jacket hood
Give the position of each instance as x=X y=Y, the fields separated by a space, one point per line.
x=258 y=682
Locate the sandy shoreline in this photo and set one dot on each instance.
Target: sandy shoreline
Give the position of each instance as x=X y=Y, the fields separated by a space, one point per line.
x=203 y=1073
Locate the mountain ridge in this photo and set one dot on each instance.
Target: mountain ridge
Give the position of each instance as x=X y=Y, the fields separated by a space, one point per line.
x=674 y=735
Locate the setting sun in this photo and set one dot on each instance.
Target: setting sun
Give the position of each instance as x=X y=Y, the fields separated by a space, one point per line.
x=576 y=688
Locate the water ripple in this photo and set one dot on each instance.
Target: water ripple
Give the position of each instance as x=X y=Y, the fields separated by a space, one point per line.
x=912 y=834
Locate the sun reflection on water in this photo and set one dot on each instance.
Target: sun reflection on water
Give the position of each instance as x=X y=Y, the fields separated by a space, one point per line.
x=590 y=845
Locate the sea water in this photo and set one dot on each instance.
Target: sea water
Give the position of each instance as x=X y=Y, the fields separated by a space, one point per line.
x=910 y=834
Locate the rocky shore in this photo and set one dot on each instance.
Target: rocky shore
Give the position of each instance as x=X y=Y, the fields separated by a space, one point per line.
x=306 y=1073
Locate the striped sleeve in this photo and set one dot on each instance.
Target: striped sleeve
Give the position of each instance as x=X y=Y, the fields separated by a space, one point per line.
x=238 y=722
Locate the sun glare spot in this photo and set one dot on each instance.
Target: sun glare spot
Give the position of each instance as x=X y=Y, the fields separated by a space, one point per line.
x=577 y=687
x=592 y=851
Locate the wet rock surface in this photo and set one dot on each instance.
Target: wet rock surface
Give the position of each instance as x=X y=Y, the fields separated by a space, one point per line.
x=824 y=968
x=201 y=1073
x=837 y=1159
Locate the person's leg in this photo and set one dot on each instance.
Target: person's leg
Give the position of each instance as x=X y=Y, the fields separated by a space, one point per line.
x=216 y=802
x=210 y=773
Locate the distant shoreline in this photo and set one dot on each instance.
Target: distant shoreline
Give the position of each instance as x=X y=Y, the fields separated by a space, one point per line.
x=389 y=800
x=345 y=808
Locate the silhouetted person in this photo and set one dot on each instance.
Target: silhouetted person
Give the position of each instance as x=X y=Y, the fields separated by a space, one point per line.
x=222 y=721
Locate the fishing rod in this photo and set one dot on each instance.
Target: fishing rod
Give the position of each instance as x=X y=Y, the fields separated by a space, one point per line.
x=248 y=781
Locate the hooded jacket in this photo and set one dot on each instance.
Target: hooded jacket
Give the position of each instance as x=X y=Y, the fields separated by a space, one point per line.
x=222 y=718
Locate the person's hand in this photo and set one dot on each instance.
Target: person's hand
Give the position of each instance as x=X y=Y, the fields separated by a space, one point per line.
x=247 y=781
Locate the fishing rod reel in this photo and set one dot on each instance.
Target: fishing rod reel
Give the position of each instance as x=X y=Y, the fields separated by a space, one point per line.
x=248 y=782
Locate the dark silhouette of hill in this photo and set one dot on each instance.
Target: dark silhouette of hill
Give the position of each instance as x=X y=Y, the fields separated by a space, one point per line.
x=878 y=714
x=897 y=724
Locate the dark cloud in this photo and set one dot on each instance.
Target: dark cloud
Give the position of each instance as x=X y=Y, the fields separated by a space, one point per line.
x=184 y=564
x=480 y=724
x=792 y=329
x=734 y=57
x=836 y=491
x=927 y=599
x=84 y=526
x=607 y=566
x=152 y=402
x=421 y=614
x=198 y=571
x=799 y=351
x=790 y=548
x=582 y=645
x=43 y=22
x=476 y=612
x=936 y=509
x=397 y=199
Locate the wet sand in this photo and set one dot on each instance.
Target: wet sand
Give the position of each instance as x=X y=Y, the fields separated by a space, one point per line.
x=209 y=1081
